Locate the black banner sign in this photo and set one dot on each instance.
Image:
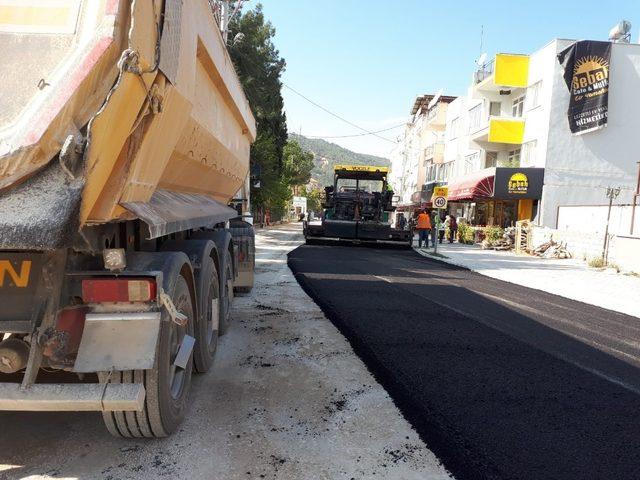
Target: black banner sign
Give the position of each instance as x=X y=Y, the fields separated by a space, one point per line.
x=586 y=73
x=518 y=183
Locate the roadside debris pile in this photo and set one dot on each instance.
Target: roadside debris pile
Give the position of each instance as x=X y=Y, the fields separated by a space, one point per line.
x=505 y=241
x=552 y=249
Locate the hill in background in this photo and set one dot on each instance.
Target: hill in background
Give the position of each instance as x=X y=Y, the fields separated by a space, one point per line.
x=327 y=155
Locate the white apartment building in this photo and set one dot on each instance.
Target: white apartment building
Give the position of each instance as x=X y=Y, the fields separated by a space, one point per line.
x=416 y=160
x=509 y=151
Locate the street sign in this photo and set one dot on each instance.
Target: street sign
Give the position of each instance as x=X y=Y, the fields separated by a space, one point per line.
x=439 y=198
x=440 y=202
x=441 y=192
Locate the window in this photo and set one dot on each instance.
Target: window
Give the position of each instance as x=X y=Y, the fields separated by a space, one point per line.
x=513 y=160
x=533 y=95
x=475 y=118
x=518 y=106
x=471 y=163
x=431 y=172
x=429 y=151
x=432 y=112
x=529 y=153
x=495 y=109
x=446 y=170
x=490 y=159
x=455 y=127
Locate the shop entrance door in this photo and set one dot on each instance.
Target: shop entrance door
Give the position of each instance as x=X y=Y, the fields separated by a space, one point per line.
x=505 y=213
x=525 y=209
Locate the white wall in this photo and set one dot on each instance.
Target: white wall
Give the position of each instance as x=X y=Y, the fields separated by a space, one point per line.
x=594 y=219
x=405 y=159
x=586 y=245
x=580 y=168
x=396 y=166
x=459 y=146
x=541 y=69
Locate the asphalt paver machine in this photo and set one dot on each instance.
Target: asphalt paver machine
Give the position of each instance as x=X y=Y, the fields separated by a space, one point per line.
x=358 y=208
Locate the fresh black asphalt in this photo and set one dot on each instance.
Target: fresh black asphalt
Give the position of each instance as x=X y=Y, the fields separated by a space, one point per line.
x=501 y=381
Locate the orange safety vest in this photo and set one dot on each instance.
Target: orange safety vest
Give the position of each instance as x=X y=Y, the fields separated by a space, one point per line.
x=424 y=222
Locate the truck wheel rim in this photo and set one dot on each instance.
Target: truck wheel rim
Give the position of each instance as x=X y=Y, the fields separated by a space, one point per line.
x=177 y=375
x=212 y=322
x=228 y=292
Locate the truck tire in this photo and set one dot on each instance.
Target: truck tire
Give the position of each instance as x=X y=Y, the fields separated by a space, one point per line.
x=208 y=328
x=226 y=293
x=167 y=386
x=244 y=290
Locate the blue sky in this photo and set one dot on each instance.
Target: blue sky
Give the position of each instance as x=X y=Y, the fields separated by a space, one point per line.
x=366 y=60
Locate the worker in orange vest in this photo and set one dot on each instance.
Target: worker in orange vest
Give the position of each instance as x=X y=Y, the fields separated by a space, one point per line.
x=423 y=226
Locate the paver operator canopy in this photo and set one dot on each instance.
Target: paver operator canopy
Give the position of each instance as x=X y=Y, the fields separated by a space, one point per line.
x=359 y=193
x=358 y=207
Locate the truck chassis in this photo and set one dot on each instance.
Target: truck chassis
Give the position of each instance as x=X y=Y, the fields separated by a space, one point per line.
x=132 y=321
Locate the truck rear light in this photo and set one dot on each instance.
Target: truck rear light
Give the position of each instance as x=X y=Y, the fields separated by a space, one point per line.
x=118 y=290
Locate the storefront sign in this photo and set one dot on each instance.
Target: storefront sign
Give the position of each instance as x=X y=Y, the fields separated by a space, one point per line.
x=518 y=183
x=586 y=73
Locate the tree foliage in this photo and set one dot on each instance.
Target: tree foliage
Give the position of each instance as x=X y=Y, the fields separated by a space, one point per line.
x=276 y=163
x=315 y=197
x=327 y=155
x=259 y=68
x=297 y=164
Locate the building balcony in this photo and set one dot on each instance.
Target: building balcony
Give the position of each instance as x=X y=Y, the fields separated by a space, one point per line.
x=506 y=71
x=434 y=152
x=500 y=130
x=437 y=116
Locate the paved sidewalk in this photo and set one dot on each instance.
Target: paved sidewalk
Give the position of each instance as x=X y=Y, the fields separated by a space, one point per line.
x=570 y=278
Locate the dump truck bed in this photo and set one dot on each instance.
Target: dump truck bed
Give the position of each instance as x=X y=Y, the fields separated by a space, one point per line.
x=126 y=109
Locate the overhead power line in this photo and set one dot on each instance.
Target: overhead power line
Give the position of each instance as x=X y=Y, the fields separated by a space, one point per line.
x=367 y=132
x=356 y=134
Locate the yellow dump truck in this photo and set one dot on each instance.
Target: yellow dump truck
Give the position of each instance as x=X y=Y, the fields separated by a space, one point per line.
x=124 y=133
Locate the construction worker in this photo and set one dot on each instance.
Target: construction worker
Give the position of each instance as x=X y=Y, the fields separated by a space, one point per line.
x=423 y=226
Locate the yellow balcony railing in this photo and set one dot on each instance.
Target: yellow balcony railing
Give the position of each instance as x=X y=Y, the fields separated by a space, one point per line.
x=511 y=70
x=506 y=130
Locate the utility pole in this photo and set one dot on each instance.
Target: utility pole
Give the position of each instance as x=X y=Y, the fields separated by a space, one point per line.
x=612 y=193
x=225 y=18
x=437 y=235
x=227 y=14
x=635 y=201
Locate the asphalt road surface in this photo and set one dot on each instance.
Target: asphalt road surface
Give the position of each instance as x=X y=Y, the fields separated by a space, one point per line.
x=500 y=381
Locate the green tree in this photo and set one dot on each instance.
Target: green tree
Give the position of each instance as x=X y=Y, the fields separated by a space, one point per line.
x=259 y=68
x=297 y=164
x=315 y=197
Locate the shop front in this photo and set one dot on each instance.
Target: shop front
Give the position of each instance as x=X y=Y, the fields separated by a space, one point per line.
x=497 y=196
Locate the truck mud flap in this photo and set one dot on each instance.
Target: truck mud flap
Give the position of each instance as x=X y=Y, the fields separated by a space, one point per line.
x=118 y=341
x=94 y=397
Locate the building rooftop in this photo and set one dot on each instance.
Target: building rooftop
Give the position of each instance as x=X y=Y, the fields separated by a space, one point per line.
x=424 y=100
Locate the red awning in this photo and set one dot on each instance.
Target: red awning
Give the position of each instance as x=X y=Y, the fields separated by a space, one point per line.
x=407 y=207
x=476 y=186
